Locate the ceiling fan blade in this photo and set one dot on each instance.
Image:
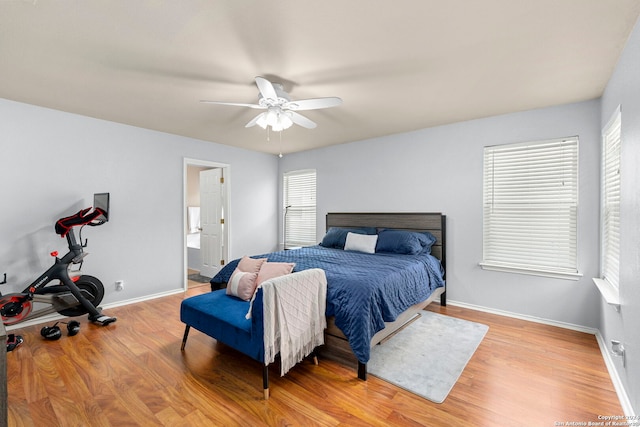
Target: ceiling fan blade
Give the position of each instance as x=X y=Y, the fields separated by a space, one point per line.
x=266 y=88
x=234 y=104
x=313 y=103
x=301 y=120
x=254 y=121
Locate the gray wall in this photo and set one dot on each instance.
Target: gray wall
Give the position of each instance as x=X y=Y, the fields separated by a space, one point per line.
x=440 y=169
x=624 y=90
x=52 y=162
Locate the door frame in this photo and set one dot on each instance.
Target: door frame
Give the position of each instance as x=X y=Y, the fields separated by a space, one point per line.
x=226 y=173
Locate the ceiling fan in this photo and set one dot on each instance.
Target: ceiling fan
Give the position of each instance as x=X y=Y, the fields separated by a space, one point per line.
x=281 y=110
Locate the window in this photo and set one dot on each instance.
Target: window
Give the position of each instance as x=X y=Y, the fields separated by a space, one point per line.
x=610 y=201
x=530 y=203
x=299 y=197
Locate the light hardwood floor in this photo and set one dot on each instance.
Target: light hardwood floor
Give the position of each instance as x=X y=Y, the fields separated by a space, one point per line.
x=132 y=373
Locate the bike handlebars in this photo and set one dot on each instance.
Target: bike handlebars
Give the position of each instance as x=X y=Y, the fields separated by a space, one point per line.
x=83 y=217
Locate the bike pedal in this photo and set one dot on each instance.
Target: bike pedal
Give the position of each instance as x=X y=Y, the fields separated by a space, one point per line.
x=103 y=319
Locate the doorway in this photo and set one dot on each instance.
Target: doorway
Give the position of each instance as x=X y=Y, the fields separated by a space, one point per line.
x=206 y=220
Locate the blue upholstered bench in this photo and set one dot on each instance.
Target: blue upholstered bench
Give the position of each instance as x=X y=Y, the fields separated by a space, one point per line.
x=223 y=317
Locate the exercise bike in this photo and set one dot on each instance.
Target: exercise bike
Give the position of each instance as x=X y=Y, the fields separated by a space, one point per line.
x=61 y=289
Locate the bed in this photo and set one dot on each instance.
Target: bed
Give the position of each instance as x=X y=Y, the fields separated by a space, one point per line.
x=370 y=295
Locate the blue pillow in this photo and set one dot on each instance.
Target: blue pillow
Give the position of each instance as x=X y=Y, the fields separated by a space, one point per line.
x=336 y=237
x=404 y=242
x=427 y=239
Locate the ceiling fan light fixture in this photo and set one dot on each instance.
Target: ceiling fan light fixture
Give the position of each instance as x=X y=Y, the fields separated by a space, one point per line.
x=278 y=120
x=262 y=120
x=272 y=118
x=285 y=121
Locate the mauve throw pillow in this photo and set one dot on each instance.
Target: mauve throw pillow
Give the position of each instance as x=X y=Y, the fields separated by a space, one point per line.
x=270 y=270
x=250 y=265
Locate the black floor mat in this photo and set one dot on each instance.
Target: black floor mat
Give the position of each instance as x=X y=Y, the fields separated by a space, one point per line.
x=196 y=277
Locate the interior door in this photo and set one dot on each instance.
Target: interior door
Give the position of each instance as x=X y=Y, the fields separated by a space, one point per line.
x=211 y=221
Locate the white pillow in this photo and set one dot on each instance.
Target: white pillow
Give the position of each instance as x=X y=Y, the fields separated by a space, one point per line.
x=361 y=242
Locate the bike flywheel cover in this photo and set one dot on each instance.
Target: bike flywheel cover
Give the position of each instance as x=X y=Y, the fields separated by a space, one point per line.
x=14 y=308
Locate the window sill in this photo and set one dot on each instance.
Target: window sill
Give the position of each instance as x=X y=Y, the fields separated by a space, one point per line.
x=530 y=271
x=609 y=292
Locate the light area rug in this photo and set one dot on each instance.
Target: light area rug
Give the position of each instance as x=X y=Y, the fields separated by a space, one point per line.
x=427 y=356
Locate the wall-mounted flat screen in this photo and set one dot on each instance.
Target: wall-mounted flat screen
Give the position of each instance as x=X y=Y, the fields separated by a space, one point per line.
x=101 y=200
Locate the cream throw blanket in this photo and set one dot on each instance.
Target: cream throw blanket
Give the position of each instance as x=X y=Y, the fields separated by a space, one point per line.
x=294 y=316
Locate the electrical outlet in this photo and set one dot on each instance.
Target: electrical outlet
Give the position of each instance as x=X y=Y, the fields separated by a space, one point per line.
x=617 y=348
x=119 y=285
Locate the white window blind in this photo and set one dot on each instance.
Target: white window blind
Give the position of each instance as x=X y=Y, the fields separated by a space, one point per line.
x=299 y=208
x=610 y=218
x=530 y=208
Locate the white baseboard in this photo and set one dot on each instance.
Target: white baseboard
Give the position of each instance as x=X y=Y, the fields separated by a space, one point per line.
x=606 y=355
x=615 y=378
x=143 y=298
x=55 y=317
x=564 y=325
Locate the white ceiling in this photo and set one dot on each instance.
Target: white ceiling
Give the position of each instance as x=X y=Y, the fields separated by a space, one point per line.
x=398 y=65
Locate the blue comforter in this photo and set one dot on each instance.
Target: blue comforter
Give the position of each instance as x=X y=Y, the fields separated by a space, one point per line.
x=363 y=290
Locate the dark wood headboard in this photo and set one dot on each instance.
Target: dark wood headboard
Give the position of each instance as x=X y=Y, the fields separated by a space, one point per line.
x=433 y=222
